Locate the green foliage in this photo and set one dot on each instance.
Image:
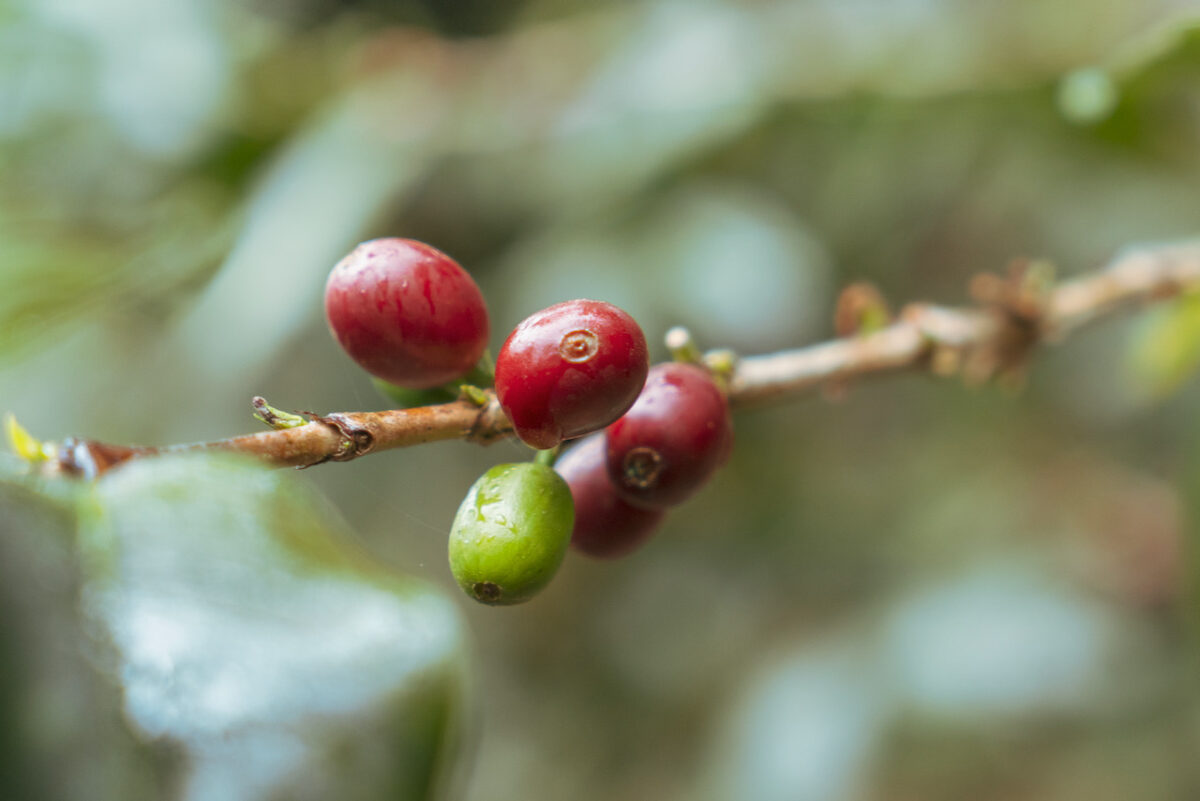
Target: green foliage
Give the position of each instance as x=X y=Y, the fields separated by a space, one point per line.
x=720 y=165
x=52 y=281
x=63 y=735
x=243 y=629
x=1166 y=351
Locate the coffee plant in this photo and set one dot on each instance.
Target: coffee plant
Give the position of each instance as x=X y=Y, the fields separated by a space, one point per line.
x=699 y=417
x=650 y=438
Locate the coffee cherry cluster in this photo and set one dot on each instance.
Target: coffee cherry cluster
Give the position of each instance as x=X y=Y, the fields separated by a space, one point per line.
x=606 y=525
x=415 y=320
x=672 y=440
x=656 y=456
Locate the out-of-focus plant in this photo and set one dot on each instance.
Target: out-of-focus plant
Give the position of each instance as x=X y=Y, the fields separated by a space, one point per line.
x=909 y=593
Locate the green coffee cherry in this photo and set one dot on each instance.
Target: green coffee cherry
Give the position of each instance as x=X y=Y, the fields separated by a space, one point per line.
x=511 y=533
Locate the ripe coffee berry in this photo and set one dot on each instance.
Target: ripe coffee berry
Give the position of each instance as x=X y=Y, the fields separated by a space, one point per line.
x=605 y=525
x=570 y=369
x=672 y=440
x=511 y=532
x=406 y=312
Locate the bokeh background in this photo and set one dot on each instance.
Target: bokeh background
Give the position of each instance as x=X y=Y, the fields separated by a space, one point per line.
x=921 y=591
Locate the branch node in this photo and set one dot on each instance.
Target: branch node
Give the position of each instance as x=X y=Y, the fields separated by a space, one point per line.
x=861 y=309
x=491 y=423
x=1020 y=302
x=1024 y=294
x=356 y=440
x=86 y=458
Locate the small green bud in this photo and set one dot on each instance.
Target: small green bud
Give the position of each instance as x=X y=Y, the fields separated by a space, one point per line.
x=511 y=533
x=23 y=443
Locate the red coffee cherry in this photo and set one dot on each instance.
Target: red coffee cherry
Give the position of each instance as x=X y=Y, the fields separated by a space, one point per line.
x=605 y=525
x=672 y=440
x=570 y=369
x=406 y=312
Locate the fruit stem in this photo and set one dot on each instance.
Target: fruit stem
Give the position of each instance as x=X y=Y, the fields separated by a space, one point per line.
x=549 y=456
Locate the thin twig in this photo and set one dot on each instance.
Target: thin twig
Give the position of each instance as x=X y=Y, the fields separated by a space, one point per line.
x=994 y=338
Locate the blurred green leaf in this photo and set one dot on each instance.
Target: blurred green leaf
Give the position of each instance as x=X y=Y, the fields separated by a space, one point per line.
x=253 y=640
x=808 y=727
x=63 y=735
x=46 y=283
x=55 y=279
x=250 y=631
x=1166 y=351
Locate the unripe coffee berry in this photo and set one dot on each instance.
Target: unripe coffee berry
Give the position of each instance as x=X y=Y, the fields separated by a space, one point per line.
x=672 y=440
x=570 y=369
x=511 y=532
x=605 y=525
x=406 y=312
